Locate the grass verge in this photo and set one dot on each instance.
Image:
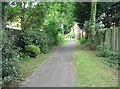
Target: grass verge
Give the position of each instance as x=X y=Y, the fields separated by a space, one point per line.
x=89 y=72
x=29 y=66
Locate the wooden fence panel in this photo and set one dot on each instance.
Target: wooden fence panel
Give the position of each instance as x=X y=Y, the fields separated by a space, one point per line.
x=107 y=38
x=118 y=39
x=112 y=38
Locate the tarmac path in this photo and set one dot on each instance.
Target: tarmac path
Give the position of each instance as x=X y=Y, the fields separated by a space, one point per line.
x=57 y=71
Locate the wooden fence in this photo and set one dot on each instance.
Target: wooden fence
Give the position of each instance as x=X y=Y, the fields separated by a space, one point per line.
x=111 y=38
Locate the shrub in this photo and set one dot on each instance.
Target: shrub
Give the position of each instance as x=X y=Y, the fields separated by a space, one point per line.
x=115 y=59
x=103 y=51
x=24 y=56
x=10 y=62
x=60 y=38
x=113 y=56
x=32 y=50
x=35 y=37
x=83 y=41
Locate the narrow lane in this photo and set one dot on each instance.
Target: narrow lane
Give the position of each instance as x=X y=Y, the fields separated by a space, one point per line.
x=57 y=71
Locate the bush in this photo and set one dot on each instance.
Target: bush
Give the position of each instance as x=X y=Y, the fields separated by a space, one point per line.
x=35 y=37
x=83 y=41
x=60 y=38
x=32 y=50
x=24 y=56
x=10 y=62
x=103 y=51
x=113 y=56
x=115 y=59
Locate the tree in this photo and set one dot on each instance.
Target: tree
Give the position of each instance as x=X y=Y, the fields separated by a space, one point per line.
x=82 y=12
x=56 y=15
x=113 y=15
x=92 y=23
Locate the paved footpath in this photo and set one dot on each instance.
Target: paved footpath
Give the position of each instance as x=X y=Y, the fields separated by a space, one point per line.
x=57 y=71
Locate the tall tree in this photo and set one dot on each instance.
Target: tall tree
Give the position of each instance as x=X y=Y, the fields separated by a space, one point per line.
x=82 y=12
x=92 y=22
x=56 y=15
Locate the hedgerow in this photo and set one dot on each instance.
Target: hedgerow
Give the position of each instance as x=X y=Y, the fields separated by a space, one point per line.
x=34 y=37
x=10 y=59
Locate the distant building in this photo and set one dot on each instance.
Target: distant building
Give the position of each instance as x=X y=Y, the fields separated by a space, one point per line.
x=76 y=31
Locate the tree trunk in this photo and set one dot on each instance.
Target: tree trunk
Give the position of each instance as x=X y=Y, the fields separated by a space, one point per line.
x=92 y=24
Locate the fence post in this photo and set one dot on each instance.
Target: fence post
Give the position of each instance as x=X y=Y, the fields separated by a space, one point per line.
x=118 y=39
x=111 y=44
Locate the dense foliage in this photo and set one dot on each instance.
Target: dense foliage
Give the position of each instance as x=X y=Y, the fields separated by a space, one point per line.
x=113 y=57
x=83 y=41
x=34 y=37
x=82 y=12
x=113 y=15
x=10 y=66
x=111 y=9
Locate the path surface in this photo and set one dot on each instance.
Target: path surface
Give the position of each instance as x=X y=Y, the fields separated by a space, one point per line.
x=57 y=71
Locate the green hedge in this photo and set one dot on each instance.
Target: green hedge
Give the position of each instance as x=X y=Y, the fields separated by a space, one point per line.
x=10 y=59
x=34 y=37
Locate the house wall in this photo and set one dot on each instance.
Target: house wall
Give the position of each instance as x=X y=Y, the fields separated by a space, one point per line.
x=77 y=31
